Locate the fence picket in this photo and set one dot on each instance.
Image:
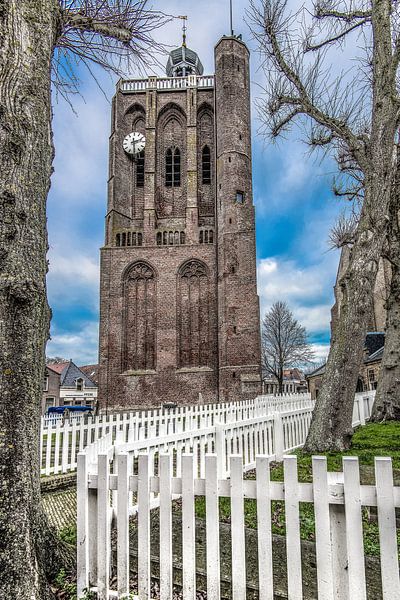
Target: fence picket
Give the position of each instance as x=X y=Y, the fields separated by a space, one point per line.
x=212 y=529
x=103 y=526
x=143 y=528
x=354 y=530
x=387 y=529
x=188 y=529
x=265 y=566
x=322 y=528
x=123 y=525
x=237 y=529
x=292 y=518
x=165 y=474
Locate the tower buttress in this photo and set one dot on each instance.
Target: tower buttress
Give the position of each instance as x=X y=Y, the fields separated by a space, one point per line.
x=238 y=305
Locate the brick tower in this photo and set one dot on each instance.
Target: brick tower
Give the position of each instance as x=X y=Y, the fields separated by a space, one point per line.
x=179 y=312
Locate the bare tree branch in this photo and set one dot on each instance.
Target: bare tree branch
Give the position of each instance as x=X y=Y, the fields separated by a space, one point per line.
x=117 y=35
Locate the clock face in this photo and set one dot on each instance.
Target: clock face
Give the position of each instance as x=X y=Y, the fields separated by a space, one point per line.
x=134 y=143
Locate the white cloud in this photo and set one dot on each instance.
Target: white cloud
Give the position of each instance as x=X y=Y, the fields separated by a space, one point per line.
x=321 y=352
x=306 y=290
x=80 y=345
x=73 y=280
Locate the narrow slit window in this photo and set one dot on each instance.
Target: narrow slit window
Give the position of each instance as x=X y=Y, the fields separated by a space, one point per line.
x=240 y=197
x=159 y=238
x=177 y=168
x=168 y=168
x=140 y=170
x=206 y=165
x=139 y=239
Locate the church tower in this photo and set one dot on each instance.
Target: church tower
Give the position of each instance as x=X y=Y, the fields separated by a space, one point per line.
x=179 y=312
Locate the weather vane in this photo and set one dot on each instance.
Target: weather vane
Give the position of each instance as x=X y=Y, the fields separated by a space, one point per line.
x=184 y=28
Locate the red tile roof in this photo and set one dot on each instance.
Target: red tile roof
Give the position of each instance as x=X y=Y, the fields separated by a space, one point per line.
x=58 y=367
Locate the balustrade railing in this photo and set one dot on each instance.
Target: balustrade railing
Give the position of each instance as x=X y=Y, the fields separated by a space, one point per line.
x=166 y=83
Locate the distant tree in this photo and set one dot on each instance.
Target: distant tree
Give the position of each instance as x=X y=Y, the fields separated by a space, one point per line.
x=283 y=342
x=40 y=38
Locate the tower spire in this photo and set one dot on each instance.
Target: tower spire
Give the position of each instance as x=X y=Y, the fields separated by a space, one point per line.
x=184 y=29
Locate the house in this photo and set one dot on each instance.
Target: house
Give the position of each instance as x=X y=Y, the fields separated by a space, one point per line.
x=294 y=382
x=369 y=371
x=67 y=384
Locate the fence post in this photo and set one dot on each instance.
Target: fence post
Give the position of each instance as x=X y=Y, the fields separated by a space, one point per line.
x=220 y=450
x=337 y=517
x=279 y=443
x=82 y=526
x=361 y=409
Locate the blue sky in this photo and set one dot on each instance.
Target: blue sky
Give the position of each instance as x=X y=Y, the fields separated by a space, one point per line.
x=294 y=206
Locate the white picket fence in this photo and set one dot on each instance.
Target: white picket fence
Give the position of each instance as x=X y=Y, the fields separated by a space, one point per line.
x=61 y=440
x=108 y=488
x=337 y=498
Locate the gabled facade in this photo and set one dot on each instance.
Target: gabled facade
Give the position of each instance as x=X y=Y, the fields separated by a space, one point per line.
x=65 y=384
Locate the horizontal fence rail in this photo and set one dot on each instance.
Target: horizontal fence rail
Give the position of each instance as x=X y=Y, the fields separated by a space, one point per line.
x=337 y=498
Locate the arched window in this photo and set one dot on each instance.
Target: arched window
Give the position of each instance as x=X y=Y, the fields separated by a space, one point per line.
x=206 y=165
x=159 y=238
x=139 y=317
x=177 y=168
x=140 y=170
x=193 y=315
x=79 y=384
x=139 y=239
x=182 y=237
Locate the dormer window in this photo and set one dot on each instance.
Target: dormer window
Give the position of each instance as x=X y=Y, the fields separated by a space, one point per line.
x=79 y=384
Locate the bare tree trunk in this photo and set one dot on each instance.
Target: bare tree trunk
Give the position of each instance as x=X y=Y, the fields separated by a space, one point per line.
x=28 y=550
x=331 y=427
x=387 y=400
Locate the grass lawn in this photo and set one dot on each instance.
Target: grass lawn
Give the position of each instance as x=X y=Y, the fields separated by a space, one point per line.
x=372 y=440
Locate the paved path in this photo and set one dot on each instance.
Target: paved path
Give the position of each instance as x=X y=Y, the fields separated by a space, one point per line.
x=61 y=508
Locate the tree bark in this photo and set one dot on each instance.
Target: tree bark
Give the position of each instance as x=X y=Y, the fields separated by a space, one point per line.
x=29 y=552
x=331 y=427
x=387 y=400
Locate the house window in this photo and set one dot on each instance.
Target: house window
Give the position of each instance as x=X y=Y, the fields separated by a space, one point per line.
x=50 y=401
x=140 y=170
x=206 y=165
x=45 y=382
x=79 y=384
x=240 y=197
